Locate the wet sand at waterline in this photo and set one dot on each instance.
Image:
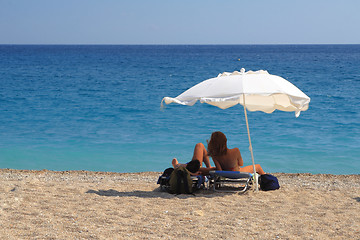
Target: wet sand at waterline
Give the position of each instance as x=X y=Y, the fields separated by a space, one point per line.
x=98 y=205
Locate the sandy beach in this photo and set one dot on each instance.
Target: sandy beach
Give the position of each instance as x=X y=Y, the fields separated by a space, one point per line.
x=97 y=205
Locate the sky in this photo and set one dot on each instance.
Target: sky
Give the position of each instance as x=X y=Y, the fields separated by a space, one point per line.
x=179 y=22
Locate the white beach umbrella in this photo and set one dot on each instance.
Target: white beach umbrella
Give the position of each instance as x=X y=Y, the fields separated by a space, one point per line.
x=256 y=91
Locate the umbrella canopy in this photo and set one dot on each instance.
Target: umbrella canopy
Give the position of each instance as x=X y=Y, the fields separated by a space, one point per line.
x=256 y=91
x=261 y=91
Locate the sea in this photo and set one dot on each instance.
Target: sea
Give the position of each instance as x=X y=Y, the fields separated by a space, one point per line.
x=97 y=107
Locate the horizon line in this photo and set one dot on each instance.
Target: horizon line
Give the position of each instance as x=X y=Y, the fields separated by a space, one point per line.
x=177 y=44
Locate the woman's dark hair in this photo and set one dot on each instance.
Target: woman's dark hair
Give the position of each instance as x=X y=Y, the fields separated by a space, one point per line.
x=217 y=145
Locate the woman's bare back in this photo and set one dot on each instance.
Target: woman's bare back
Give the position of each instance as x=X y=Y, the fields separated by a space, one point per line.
x=231 y=161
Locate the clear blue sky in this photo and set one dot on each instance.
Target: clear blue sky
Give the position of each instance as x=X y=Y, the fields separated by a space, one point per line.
x=179 y=22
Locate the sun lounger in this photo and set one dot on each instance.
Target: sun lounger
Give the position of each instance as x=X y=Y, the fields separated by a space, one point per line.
x=235 y=181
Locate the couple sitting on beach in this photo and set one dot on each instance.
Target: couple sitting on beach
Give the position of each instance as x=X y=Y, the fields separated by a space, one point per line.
x=224 y=158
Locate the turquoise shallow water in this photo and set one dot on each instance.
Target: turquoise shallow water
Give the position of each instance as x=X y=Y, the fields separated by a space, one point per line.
x=98 y=107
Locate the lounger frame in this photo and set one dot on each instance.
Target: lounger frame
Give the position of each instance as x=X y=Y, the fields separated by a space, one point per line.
x=164 y=187
x=220 y=178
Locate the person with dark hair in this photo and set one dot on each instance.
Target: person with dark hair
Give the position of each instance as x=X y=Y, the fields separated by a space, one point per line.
x=228 y=159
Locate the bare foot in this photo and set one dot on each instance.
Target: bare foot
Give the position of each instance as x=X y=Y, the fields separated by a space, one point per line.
x=174 y=163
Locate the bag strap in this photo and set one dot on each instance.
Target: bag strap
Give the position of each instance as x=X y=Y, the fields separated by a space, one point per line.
x=179 y=175
x=186 y=183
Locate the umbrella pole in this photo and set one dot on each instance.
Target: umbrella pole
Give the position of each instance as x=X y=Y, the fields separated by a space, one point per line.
x=250 y=147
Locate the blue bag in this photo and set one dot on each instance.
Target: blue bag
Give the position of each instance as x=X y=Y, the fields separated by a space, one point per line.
x=268 y=182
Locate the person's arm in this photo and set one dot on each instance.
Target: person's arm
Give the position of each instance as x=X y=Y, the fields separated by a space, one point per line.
x=217 y=164
x=239 y=158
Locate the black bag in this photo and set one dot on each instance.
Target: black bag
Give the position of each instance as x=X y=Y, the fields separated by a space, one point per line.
x=180 y=181
x=165 y=178
x=268 y=182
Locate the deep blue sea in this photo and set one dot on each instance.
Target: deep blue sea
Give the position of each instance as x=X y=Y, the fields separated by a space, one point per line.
x=83 y=107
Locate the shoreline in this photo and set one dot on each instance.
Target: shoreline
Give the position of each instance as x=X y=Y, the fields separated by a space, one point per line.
x=13 y=170
x=72 y=204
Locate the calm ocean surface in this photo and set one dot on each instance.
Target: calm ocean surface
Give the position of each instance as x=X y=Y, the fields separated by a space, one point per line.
x=98 y=107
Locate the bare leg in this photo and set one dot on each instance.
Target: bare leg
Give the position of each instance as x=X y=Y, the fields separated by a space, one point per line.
x=200 y=154
x=250 y=169
x=205 y=171
x=175 y=163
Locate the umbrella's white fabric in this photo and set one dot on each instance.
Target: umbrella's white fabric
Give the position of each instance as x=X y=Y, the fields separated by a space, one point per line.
x=260 y=90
